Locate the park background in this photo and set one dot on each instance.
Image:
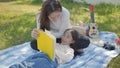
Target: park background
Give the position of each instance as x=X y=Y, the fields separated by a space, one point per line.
x=17 y=19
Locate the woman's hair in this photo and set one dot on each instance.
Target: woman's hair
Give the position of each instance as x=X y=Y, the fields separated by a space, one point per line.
x=81 y=42
x=48 y=7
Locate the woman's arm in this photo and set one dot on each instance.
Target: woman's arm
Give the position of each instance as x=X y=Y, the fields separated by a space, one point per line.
x=38 y=20
x=34 y=32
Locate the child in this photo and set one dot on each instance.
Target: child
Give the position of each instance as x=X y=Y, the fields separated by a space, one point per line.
x=70 y=45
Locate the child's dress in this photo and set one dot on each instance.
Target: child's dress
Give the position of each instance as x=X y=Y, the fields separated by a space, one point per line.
x=63 y=53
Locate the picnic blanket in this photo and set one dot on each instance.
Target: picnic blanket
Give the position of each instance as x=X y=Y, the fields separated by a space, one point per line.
x=93 y=57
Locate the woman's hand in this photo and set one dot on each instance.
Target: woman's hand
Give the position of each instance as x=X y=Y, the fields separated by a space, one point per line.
x=35 y=33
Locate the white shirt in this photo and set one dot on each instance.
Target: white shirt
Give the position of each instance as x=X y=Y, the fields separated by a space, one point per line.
x=63 y=53
x=58 y=27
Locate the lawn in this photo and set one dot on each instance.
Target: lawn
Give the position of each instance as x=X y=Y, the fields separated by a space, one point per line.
x=17 y=19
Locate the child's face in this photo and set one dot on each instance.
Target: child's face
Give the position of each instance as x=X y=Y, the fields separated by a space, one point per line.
x=67 y=38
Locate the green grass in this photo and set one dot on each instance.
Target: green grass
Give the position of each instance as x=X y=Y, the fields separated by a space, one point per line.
x=16 y=23
x=17 y=19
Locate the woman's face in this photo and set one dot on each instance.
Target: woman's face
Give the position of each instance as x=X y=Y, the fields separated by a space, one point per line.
x=54 y=15
x=67 y=38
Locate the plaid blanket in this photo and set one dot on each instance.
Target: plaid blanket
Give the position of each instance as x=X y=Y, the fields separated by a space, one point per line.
x=93 y=57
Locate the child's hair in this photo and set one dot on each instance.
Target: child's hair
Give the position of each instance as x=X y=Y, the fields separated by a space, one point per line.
x=48 y=7
x=81 y=42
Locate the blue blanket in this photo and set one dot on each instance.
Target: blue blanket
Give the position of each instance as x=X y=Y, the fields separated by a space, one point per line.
x=93 y=57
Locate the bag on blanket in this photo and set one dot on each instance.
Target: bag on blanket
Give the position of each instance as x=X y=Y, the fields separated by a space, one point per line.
x=39 y=60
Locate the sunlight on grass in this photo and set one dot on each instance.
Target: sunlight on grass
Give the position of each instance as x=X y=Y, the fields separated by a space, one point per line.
x=6 y=7
x=22 y=29
x=16 y=21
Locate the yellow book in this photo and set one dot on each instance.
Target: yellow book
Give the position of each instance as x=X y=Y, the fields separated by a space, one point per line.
x=46 y=42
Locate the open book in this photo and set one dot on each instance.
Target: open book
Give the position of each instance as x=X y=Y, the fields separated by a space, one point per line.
x=46 y=42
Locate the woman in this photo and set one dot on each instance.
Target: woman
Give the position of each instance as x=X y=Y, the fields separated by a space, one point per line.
x=52 y=17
